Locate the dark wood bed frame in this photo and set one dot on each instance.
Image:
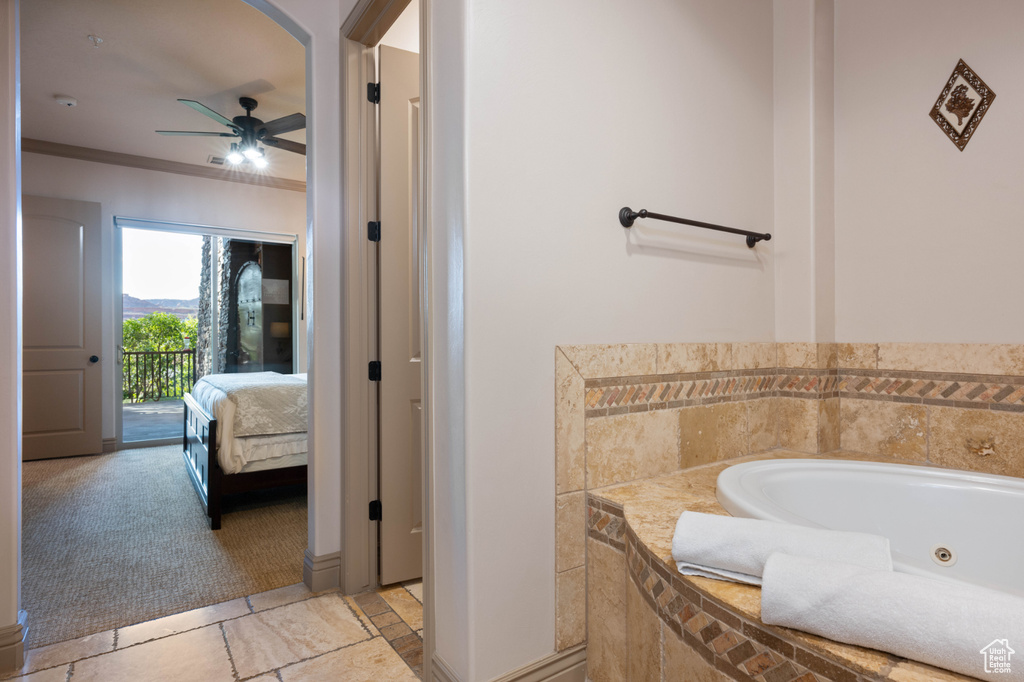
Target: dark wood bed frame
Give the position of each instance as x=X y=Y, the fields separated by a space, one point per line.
x=199 y=448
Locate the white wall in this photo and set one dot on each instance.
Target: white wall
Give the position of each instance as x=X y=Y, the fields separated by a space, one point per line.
x=573 y=110
x=804 y=170
x=824 y=159
x=793 y=171
x=448 y=586
x=928 y=238
x=135 y=193
x=10 y=326
x=317 y=23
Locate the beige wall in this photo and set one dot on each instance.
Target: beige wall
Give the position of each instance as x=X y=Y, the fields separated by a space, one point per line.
x=137 y=193
x=927 y=237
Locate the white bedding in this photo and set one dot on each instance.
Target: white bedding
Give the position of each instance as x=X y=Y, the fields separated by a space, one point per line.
x=276 y=462
x=260 y=416
x=258 y=448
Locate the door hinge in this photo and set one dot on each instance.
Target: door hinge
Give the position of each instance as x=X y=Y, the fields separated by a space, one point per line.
x=373 y=92
x=375 y=510
x=373 y=230
x=375 y=370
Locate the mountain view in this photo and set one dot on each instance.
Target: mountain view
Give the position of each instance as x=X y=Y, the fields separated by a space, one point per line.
x=135 y=308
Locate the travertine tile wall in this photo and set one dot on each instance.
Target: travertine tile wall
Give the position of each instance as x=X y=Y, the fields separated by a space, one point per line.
x=953 y=405
x=626 y=412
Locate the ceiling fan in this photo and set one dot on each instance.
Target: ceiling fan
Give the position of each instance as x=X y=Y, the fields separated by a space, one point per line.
x=251 y=131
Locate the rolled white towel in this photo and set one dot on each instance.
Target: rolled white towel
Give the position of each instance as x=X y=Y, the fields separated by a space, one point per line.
x=940 y=623
x=735 y=549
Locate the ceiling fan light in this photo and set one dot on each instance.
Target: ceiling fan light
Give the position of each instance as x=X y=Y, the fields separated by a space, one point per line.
x=260 y=162
x=234 y=156
x=252 y=153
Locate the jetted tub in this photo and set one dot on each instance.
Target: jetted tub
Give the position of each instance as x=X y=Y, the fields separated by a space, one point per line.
x=941 y=523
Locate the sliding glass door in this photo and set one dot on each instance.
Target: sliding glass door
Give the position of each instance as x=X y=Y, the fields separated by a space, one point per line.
x=198 y=300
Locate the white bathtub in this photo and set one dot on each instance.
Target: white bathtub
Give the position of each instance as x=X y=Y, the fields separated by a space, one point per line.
x=941 y=523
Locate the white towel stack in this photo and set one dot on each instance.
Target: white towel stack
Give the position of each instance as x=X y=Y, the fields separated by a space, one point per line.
x=736 y=549
x=940 y=623
x=841 y=586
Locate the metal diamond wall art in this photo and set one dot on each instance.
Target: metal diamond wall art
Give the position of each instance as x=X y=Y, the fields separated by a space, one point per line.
x=964 y=101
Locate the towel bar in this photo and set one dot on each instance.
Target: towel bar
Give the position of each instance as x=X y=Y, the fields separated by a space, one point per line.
x=627 y=216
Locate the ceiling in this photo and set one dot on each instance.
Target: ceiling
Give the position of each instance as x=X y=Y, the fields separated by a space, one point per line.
x=151 y=54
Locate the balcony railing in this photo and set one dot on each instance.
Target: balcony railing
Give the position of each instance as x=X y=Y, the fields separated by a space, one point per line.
x=156 y=375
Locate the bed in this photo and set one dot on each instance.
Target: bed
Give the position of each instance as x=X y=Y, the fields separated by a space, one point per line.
x=244 y=432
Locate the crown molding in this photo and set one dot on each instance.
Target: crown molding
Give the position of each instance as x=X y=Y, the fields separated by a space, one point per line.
x=147 y=163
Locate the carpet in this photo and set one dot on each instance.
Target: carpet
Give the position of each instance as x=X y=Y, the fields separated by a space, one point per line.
x=117 y=539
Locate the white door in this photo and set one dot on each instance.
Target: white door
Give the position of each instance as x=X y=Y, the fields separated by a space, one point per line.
x=401 y=478
x=61 y=383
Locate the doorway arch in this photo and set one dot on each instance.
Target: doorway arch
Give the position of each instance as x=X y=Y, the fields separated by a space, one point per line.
x=325 y=258
x=311 y=24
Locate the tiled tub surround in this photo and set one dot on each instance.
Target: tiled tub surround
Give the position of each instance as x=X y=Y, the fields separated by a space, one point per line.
x=650 y=623
x=952 y=405
x=636 y=411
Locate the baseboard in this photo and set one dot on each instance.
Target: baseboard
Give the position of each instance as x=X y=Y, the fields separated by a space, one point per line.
x=565 y=666
x=321 y=572
x=109 y=445
x=441 y=671
x=12 y=644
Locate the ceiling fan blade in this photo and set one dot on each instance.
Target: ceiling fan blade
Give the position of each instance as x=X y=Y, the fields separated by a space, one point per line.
x=192 y=132
x=285 y=124
x=286 y=145
x=207 y=111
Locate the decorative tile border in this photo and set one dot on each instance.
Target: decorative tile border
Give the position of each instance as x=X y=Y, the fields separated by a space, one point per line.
x=621 y=395
x=799 y=383
x=982 y=391
x=606 y=523
x=735 y=646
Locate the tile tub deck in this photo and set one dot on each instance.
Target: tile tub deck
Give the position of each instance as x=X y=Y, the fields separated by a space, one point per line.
x=720 y=620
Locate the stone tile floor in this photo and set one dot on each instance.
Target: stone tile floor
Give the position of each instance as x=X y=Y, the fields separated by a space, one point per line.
x=285 y=635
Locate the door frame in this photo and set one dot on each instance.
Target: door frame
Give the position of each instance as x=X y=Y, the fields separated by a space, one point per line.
x=359 y=572
x=12 y=618
x=123 y=222
x=361 y=32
